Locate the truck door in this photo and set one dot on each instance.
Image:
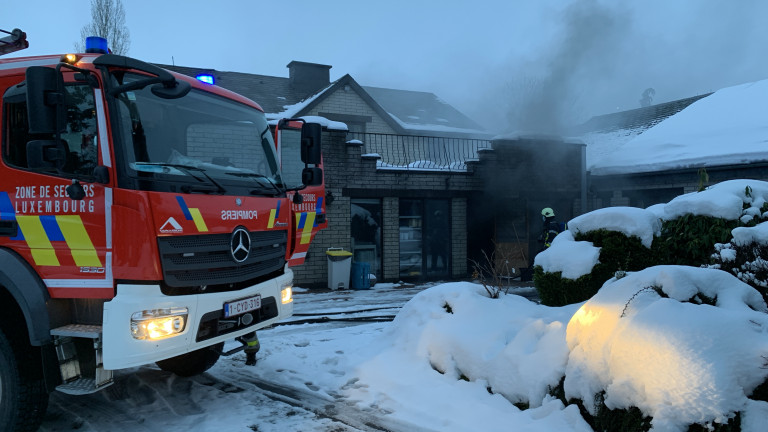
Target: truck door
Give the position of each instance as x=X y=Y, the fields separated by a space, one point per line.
x=66 y=240
x=309 y=215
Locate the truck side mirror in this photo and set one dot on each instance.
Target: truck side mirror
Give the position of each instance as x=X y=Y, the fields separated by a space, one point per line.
x=310 y=144
x=45 y=104
x=312 y=176
x=46 y=154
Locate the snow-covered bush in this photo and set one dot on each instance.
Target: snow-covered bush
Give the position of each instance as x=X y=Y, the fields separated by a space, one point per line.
x=745 y=256
x=592 y=250
x=685 y=231
x=646 y=341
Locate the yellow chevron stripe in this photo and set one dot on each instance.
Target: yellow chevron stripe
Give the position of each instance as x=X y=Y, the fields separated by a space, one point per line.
x=34 y=233
x=271 y=222
x=79 y=242
x=198 y=219
x=306 y=234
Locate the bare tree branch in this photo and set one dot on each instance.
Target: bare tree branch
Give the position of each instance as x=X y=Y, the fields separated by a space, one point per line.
x=107 y=21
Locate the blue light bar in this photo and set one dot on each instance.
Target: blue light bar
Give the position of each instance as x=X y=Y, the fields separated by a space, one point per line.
x=95 y=44
x=206 y=78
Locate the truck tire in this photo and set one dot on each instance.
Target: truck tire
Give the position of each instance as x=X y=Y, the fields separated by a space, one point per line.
x=193 y=363
x=23 y=397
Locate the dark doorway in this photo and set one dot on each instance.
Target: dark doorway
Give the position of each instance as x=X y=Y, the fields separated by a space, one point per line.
x=425 y=238
x=365 y=226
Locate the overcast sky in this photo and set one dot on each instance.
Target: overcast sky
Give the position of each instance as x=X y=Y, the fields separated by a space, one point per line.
x=506 y=63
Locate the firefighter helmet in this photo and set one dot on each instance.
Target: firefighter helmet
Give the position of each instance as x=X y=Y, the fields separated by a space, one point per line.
x=548 y=212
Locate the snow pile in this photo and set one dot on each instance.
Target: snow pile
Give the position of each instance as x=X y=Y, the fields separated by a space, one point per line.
x=631 y=221
x=574 y=259
x=453 y=350
x=642 y=342
x=731 y=200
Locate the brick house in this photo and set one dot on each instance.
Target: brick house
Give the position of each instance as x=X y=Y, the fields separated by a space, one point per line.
x=397 y=180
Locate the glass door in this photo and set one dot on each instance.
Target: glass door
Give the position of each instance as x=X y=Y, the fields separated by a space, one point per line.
x=410 y=238
x=437 y=239
x=425 y=238
x=365 y=225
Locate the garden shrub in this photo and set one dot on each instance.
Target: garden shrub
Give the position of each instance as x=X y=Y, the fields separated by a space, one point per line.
x=618 y=252
x=746 y=262
x=687 y=240
x=690 y=239
x=631 y=419
x=554 y=290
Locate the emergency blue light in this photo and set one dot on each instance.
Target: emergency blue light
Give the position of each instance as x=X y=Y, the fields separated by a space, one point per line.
x=206 y=78
x=95 y=44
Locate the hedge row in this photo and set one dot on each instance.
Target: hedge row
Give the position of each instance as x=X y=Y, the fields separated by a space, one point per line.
x=688 y=240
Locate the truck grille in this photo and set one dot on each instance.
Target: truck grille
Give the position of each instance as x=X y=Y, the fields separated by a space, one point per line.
x=206 y=260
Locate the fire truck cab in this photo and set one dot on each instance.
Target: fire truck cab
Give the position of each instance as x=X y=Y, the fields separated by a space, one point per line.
x=145 y=217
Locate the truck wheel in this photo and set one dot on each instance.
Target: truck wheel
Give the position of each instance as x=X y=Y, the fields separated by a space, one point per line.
x=23 y=397
x=193 y=363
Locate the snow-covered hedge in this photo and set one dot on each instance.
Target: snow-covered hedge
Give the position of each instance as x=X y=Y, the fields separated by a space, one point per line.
x=663 y=348
x=686 y=231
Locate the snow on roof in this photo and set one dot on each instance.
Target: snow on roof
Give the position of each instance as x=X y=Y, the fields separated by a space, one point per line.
x=435 y=127
x=723 y=200
x=422 y=111
x=291 y=110
x=727 y=127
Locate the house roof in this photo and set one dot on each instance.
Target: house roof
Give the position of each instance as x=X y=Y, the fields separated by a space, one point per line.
x=604 y=134
x=640 y=118
x=726 y=128
x=422 y=111
x=407 y=112
x=271 y=93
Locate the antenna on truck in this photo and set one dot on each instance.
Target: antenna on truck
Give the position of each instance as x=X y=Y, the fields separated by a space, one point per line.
x=15 y=41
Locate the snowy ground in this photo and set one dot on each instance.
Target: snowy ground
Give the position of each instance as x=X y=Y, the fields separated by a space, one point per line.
x=304 y=381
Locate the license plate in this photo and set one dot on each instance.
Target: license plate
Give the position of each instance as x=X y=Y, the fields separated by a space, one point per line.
x=239 y=307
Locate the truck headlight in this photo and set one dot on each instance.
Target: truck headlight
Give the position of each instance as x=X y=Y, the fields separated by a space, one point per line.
x=158 y=323
x=286 y=295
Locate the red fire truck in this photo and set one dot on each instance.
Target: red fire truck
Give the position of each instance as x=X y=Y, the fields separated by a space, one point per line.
x=145 y=217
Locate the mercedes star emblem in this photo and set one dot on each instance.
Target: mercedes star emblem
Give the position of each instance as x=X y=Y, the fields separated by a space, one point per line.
x=239 y=202
x=240 y=244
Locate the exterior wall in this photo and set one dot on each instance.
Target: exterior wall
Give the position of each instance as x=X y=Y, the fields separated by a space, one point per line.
x=646 y=189
x=349 y=102
x=350 y=175
x=459 y=236
x=391 y=238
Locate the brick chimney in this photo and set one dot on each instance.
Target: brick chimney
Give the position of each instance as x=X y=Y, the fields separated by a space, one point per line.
x=308 y=77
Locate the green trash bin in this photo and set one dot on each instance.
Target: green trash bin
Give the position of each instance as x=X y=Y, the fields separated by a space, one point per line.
x=339 y=266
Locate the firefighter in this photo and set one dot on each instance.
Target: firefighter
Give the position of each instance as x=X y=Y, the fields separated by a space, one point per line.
x=251 y=343
x=551 y=228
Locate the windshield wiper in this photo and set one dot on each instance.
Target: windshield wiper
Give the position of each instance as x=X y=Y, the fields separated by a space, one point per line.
x=259 y=177
x=187 y=169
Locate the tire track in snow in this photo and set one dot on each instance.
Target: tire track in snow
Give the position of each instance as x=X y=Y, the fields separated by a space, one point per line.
x=331 y=407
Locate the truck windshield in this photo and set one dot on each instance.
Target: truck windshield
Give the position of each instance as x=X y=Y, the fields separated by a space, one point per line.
x=213 y=144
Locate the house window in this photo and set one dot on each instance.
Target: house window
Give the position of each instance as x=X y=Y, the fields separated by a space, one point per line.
x=365 y=226
x=425 y=238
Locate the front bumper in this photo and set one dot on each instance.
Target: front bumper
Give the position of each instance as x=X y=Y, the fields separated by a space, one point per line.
x=122 y=350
